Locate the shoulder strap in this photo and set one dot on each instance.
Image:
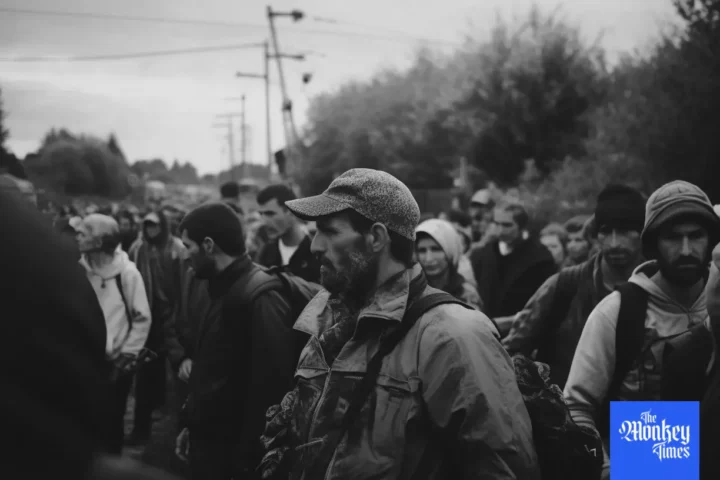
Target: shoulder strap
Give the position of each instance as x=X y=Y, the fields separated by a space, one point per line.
x=259 y=282
x=412 y=315
x=128 y=310
x=629 y=338
x=630 y=331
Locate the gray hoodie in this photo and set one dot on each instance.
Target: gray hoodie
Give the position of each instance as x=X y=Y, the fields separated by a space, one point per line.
x=594 y=362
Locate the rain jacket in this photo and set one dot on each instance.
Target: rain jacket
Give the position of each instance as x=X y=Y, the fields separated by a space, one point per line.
x=121 y=338
x=594 y=362
x=450 y=241
x=449 y=374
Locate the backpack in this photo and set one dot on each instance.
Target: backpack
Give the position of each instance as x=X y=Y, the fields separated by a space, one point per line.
x=296 y=290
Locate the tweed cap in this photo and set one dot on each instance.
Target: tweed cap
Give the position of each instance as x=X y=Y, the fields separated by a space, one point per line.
x=675 y=201
x=376 y=195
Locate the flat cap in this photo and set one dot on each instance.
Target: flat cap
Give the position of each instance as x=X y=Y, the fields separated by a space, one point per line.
x=376 y=195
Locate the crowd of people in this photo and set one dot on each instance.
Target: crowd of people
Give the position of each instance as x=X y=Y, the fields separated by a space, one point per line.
x=348 y=335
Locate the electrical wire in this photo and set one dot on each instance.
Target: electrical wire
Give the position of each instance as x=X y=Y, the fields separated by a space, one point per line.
x=409 y=36
x=124 y=56
x=397 y=37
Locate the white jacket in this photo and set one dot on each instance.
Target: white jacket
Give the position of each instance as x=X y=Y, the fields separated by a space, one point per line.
x=120 y=337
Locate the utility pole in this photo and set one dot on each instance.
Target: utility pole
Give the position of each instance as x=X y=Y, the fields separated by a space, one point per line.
x=291 y=134
x=266 y=77
x=243 y=143
x=231 y=138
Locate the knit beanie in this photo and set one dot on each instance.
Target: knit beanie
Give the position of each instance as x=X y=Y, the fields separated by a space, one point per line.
x=621 y=207
x=675 y=201
x=218 y=221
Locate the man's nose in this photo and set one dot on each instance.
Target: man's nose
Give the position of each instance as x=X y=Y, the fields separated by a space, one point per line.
x=686 y=249
x=316 y=246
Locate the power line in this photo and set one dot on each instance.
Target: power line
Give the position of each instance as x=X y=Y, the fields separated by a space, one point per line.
x=397 y=37
x=409 y=36
x=122 y=56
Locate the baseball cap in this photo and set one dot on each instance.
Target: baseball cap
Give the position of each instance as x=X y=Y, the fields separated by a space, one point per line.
x=482 y=197
x=152 y=217
x=376 y=195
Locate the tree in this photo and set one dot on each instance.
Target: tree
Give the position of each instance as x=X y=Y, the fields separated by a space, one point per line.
x=526 y=94
x=531 y=96
x=79 y=165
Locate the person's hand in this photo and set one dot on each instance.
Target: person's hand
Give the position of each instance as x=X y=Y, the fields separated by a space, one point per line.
x=125 y=362
x=182 y=445
x=185 y=370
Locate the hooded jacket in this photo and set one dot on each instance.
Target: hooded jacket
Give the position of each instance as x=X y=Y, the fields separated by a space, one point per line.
x=594 y=362
x=450 y=241
x=121 y=337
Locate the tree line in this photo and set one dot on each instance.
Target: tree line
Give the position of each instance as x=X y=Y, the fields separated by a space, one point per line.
x=536 y=107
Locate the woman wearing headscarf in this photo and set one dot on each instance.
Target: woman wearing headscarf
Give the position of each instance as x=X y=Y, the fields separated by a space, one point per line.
x=439 y=248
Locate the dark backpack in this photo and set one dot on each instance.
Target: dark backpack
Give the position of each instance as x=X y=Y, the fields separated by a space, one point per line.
x=567 y=451
x=296 y=290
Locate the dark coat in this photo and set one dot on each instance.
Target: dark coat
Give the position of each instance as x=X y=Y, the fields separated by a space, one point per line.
x=242 y=363
x=303 y=263
x=55 y=382
x=506 y=283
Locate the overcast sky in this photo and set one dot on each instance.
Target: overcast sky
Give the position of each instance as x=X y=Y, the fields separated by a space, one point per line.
x=165 y=106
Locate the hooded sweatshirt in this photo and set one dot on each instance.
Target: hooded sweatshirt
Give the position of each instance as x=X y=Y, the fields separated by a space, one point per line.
x=121 y=338
x=593 y=365
x=448 y=238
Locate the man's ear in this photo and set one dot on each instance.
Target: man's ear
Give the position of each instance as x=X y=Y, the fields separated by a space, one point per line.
x=378 y=237
x=208 y=245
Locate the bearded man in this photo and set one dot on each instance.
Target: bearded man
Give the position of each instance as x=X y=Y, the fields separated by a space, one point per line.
x=445 y=402
x=681 y=230
x=241 y=363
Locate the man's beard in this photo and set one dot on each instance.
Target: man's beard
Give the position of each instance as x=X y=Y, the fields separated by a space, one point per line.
x=356 y=277
x=203 y=266
x=682 y=277
x=618 y=258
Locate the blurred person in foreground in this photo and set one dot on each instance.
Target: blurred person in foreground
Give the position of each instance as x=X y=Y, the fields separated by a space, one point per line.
x=443 y=401
x=439 y=249
x=56 y=384
x=121 y=293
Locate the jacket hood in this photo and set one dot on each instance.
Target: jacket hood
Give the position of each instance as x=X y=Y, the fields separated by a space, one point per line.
x=446 y=236
x=119 y=263
x=642 y=276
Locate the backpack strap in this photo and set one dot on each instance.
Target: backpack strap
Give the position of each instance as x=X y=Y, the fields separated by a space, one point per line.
x=418 y=306
x=566 y=288
x=412 y=315
x=629 y=339
x=630 y=331
x=128 y=310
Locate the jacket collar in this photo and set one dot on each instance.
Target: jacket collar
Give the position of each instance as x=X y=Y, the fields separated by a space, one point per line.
x=389 y=303
x=219 y=285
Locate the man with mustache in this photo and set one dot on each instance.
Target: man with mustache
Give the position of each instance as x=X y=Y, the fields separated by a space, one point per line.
x=553 y=319
x=445 y=397
x=681 y=230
